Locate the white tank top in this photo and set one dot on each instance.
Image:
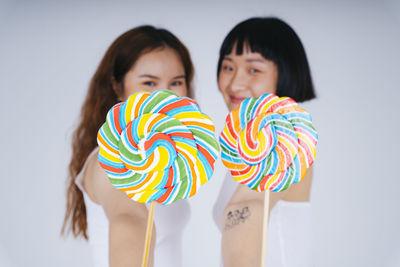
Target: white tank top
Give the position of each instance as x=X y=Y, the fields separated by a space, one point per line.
x=289 y=229
x=170 y=221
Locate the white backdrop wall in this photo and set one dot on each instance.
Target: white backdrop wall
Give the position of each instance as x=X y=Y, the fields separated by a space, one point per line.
x=49 y=51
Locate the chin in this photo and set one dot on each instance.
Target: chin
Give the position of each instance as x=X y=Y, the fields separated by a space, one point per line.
x=233 y=106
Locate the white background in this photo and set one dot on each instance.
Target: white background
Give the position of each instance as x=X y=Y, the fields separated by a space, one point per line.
x=49 y=51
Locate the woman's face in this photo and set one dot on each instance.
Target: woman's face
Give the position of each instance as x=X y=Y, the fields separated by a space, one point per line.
x=246 y=75
x=156 y=70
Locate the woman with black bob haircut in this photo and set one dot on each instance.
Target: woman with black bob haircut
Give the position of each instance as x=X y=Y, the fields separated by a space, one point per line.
x=258 y=56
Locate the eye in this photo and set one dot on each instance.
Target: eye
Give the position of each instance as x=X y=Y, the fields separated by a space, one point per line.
x=252 y=70
x=176 y=83
x=149 y=83
x=227 y=68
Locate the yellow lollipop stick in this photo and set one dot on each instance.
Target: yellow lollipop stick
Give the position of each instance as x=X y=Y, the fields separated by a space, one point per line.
x=265 y=227
x=148 y=234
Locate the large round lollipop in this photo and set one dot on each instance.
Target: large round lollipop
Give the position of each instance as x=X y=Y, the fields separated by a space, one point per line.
x=157 y=147
x=268 y=143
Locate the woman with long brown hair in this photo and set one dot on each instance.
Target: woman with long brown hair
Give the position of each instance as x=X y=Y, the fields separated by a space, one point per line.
x=144 y=58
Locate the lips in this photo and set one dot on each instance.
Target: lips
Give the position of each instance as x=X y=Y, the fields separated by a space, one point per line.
x=237 y=100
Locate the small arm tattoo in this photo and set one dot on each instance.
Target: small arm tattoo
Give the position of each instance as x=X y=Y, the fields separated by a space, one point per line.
x=236 y=217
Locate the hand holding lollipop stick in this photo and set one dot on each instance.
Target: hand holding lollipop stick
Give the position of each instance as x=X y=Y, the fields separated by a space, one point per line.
x=157 y=148
x=268 y=143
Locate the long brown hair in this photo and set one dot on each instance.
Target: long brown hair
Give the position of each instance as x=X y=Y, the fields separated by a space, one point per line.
x=101 y=96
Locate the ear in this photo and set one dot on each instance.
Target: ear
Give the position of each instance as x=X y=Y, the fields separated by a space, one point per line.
x=118 y=88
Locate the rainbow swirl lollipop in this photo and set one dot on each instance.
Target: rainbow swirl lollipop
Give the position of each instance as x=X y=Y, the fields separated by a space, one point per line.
x=268 y=143
x=157 y=147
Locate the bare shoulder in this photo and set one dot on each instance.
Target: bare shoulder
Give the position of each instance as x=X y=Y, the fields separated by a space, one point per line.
x=101 y=191
x=91 y=177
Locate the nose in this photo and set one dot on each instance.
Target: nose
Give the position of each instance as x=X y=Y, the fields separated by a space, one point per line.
x=163 y=85
x=238 y=81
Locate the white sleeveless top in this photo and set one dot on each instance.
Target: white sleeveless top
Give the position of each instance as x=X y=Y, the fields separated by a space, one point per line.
x=169 y=220
x=289 y=229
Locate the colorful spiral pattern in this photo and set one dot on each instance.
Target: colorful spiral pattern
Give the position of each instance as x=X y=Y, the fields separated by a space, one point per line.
x=268 y=143
x=157 y=147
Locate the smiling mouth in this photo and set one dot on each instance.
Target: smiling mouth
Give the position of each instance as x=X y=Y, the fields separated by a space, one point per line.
x=237 y=100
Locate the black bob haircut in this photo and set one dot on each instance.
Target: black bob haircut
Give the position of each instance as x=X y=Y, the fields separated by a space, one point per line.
x=275 y=40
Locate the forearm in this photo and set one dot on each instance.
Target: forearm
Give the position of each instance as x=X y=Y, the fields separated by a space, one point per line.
x=241 y=234
x=127 y=239
x=242 y=228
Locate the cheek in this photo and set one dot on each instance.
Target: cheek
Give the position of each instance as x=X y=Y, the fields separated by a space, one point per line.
x=222 y=83
x=129 y=89
x=129 y=81
x=182 y=91
x=263 y=86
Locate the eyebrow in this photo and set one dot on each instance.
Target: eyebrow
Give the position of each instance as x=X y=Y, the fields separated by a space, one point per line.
x=247 y=59
x=180 y=77
x=157 y=78
x=149 y=76
x=255 y=60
